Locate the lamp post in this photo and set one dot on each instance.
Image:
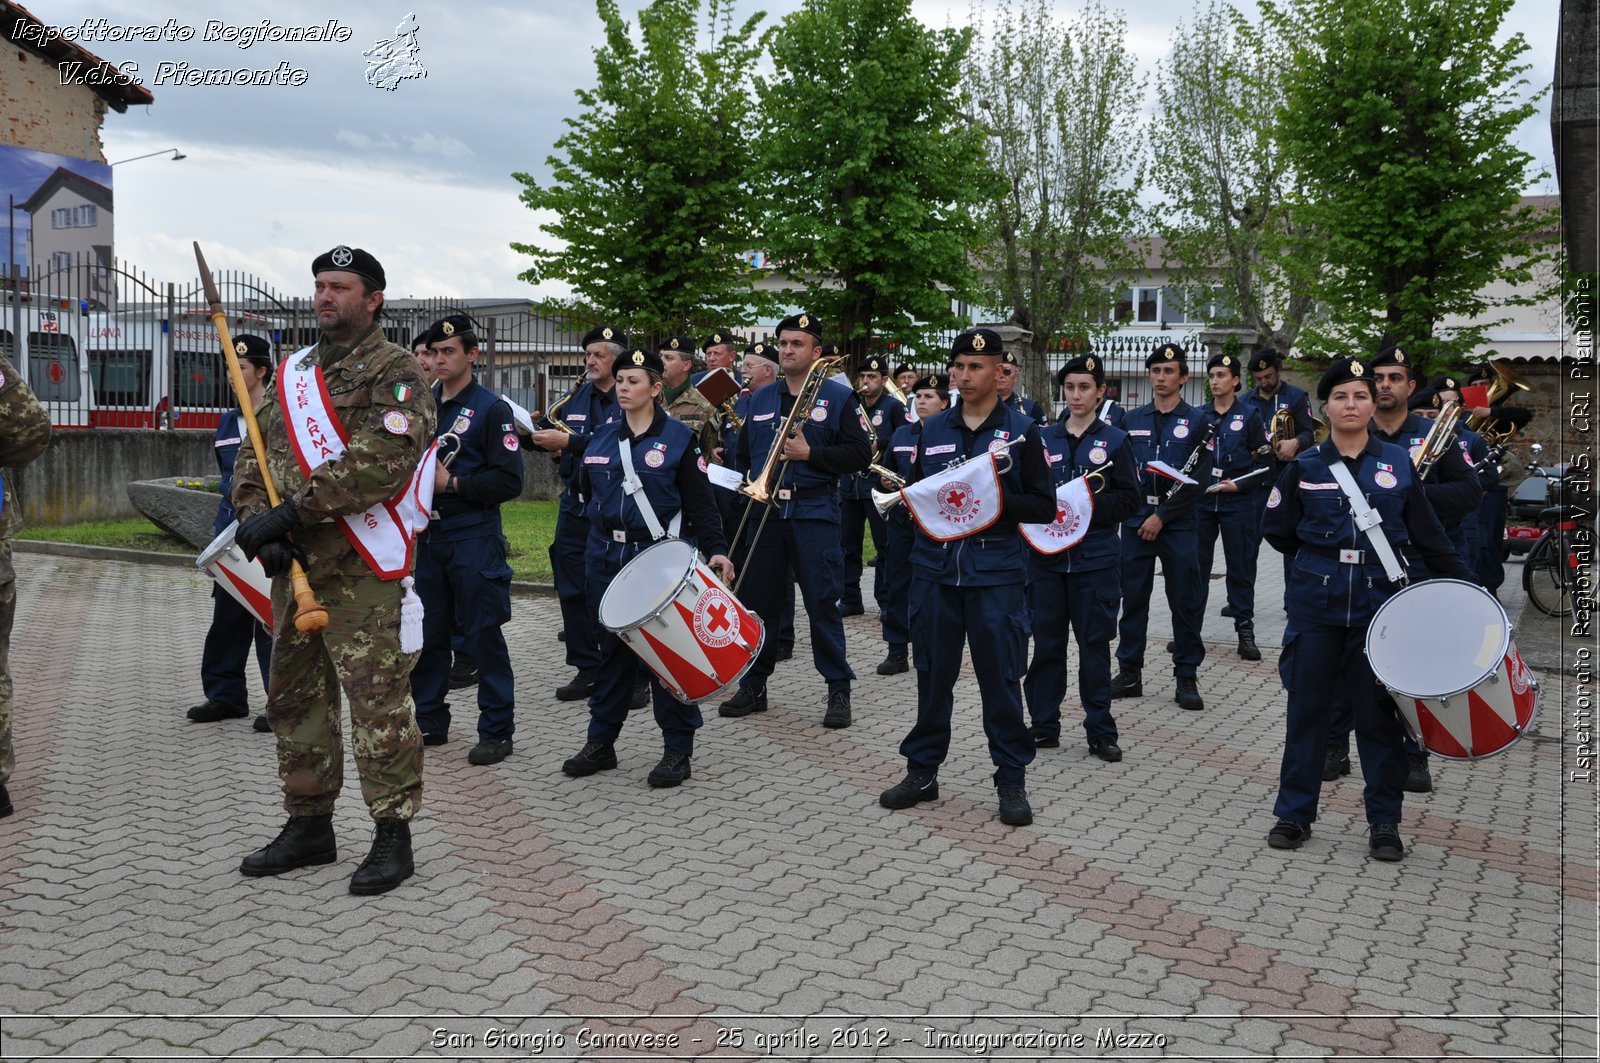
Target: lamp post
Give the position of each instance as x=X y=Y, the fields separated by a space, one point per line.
x=176 y=155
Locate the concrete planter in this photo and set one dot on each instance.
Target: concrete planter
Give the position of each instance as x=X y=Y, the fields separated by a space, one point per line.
x=182 y=511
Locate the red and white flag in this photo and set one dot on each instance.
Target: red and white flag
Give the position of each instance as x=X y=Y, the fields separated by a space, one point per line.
x=1074 y=507
x=961 y=500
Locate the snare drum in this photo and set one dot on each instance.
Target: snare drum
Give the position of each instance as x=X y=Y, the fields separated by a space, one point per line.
x=1443 y=648
x=669 y=607
x=224 y=562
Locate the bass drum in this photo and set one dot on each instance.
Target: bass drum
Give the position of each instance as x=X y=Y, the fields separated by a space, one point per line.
x=1443 y=648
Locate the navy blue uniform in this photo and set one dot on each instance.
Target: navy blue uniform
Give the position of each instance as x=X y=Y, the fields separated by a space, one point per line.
x=1336 y=584
x=462 y=571
x=589 y=410
x=894 y=563
x=233 y=627
x=1305 y=433
x=1170 y=437
x=1028 y=408
x=802 y=532
x=970 y=592
x=668 y=462
x=1238 y=436
x=731 y=506
x=1080 y=587
x=857 y=513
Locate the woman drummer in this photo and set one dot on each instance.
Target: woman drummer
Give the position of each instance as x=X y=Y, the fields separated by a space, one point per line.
x=666 y=459
x=1337 y=580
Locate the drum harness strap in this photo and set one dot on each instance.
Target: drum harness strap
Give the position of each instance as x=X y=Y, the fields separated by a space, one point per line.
x=635 y=489
x=1369 y=522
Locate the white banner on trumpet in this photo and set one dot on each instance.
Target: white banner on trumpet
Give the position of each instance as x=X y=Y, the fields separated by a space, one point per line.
x=961 y=500
x=1074 y=508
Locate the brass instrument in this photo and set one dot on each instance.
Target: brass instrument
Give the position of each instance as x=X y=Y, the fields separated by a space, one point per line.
x=1282 y=427
x=761 y=486
x=893 y=477
x=884 y=501
x=549 y=416
x=1506 y=380
x=1440 y=438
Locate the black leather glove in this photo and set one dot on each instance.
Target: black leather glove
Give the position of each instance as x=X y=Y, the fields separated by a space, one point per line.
x=275 y=556
x=281 y=520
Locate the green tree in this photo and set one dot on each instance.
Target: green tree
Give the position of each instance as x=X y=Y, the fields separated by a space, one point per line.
x=649 y=188
x=874 y=173
x=1060 y=102
x=1398 y=117
x=1225 y=183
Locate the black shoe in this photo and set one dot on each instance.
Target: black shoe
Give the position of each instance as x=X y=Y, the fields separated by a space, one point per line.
x=1385 y=843
x=212 y=711
x=434 y=739
x=1227 y=610
x=851 y=607
x=894 y=664
x=561 y=636
x=641 y=696
x=673 y=769
x=838 y=714
x=1288 y=834
x=1247 y=644
x=489 y=751
x=910 y=790
x=744 y=703
x=1418 y=779
x=1172 y=647
x=593 y=757
x=1127 y=684
x=785 y=650
x=1335 y=765
x=1014 y=808
x=1188 y=696
x=582 y=686
x=1106 y=749
x=463 y=675
x=260 y=724
x=303 y=842
x=6 y=807
x=1045 y=739
x=389 y=862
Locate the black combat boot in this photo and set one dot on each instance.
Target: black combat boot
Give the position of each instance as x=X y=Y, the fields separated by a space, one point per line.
x=1129 y=683
x=303 y=842
x=389 y=863
x=1247 y=644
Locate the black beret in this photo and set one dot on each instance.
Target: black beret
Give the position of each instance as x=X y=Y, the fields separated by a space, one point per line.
x=1394 y=356
x=830 y=350
x=604 y=334
x=1226 y=361
x=1447 y=382
x=873 y=364
x=1345 y=369
x=450 y=327
x=1167 y=352
x=720 y=336
x=1265 y=358
x=762 y=350
x=1423 y=398
x=637 y=359
x=801 y=323
x=253 y=349
x=421 y=338
x=904 y=367
x=932 y=382
x=978 y=341
x=1084 y=363
x=678 y=343
x=351 y=260
x=1010 y=358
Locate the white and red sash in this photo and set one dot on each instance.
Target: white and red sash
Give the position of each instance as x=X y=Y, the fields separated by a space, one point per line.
x=1074 y=507
x=384 y=534
x=960 y=500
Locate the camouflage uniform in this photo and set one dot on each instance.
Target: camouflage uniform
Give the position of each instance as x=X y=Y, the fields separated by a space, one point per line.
x=696 y=411
x=24 y=433
x=360 y=649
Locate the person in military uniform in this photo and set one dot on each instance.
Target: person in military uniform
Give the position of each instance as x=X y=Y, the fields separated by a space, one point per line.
x=1338 y=579
x=1238 y=469
x=1010 y=373
x=970 y=591
x=664 y=456
x=1170 y=430
x=885 y=414
x=721 y=350
x=234 y=629
x=590 y=407
x=332 y=518
x=930 y=395
x=462 y=567
x=801 y=533
x=24 y=435
x=682 y=401
x=1271 y=394
x=1080 y=587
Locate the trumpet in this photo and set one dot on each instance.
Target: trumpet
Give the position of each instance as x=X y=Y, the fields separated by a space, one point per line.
x=884 y=501
x=1439 y=438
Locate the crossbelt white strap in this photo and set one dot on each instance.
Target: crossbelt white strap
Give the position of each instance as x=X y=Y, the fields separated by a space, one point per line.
x=635 y=488
x=1369 y=522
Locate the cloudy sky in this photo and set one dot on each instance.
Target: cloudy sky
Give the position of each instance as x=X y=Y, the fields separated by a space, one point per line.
x=419 y=175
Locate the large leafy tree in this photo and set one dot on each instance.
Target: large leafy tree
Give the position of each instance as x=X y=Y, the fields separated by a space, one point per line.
x=1225 y=182
x=1398 y=118
x=874 y=172
x=1060 y=103
x=649 y=190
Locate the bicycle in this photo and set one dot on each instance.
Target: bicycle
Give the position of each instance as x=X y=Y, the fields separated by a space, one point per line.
x=1550 y=570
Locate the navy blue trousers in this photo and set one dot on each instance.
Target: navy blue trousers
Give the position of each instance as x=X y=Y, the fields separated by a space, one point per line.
x=993 y=622
x=619 y=674
x=809 y=548
x=469 y=577
x=577 y=613
x=1180 y=571
x=895 y=566
x=1317 y=661
x=227 y=650
x=1491 y=539
x=1087 y=602
x=1239 y=528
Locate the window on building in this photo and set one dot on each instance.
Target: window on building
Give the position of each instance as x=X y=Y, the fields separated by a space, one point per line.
x=1122 y=309
x=61 y=260
x=1149 y=304
x=86 y=216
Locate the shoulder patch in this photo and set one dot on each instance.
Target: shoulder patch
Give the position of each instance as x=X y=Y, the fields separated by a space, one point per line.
x=396 y=422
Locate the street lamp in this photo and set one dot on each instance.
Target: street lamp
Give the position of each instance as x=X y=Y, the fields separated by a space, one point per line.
x=176 y=155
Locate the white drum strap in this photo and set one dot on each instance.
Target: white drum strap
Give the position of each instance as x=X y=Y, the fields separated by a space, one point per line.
x=1368 y=521
x=635 y=489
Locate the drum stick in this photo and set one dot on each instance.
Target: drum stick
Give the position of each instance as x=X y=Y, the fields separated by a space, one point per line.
x=309 y=613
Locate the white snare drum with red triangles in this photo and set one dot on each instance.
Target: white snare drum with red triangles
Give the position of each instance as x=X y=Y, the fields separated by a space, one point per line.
x=669 y=607
x=1443 y=648
x=224 y=562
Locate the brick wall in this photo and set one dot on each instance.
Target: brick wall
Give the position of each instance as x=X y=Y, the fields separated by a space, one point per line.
x=38 y=112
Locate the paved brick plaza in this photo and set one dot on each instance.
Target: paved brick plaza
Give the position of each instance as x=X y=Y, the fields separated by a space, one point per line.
x=769 y=906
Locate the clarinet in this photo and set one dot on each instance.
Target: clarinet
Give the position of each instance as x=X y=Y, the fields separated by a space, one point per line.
x=1206 y=435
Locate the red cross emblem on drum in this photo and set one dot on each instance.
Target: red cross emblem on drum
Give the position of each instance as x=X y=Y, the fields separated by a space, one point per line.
x=957 y=502
x=715 y=618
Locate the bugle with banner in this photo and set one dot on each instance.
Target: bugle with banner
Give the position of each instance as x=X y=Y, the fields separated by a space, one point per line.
x=959 y=500
x=1074 y=509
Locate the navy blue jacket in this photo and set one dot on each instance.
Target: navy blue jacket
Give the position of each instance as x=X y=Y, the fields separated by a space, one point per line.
x=487 y=463
x=584 y=414
x=1172 y=438
x=836 y=431
x=1239 y=434
x=1298 y=402
x=1453 y=488
x=885 y=418
x=672 y=471
x=230 y=433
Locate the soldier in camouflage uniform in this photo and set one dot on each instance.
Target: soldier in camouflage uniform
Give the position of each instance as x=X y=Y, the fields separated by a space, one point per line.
x=24 y=433
x=681 y=399
x=375 y=389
